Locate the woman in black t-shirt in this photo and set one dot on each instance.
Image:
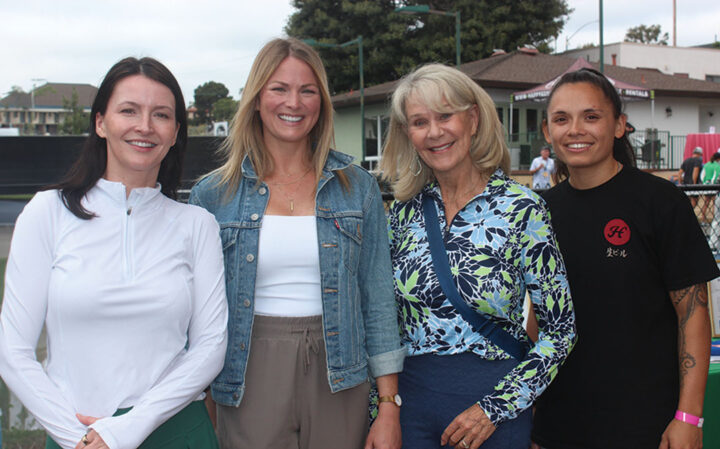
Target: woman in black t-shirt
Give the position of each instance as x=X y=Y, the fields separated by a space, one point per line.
x=638 y=264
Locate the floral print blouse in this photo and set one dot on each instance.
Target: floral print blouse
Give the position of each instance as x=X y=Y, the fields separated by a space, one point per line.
x=500 y=244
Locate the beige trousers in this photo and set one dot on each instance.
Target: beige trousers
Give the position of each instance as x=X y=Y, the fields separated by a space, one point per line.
x=287 y=402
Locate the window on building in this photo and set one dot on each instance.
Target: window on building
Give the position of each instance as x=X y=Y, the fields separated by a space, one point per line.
x=500 y=114
x=531 y=122
x=375 y=132
x=515 y=125
x=713 y=78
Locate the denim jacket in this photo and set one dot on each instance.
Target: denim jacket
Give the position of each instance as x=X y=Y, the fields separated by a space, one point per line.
x=360 y=326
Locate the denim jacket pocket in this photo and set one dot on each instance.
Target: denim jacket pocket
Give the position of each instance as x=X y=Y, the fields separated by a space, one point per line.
x=351 y=230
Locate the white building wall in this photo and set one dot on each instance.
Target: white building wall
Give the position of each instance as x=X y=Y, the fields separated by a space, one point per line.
x=710 y=117
x=689 y=116
x=682 y=121
x=696 y=62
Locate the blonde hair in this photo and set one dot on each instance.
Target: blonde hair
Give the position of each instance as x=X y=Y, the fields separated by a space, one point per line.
x=246 y=135
x=442 y=89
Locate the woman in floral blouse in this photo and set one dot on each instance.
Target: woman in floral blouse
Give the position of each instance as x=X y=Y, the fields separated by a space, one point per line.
x=458 y=387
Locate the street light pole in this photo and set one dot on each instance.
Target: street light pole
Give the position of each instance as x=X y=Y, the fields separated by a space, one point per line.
x=457 y=38
x=362 y=96
x=425 y=9
x=359 y=42
x=602 y=42
x=567 y=39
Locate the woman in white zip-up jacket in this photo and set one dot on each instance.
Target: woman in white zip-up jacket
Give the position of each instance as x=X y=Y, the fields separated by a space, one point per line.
x=128 y=282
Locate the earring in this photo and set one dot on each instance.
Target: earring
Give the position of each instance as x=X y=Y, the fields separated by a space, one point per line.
x=419 y=166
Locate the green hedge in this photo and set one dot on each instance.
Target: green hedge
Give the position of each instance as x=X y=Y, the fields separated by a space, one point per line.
x=23 y=439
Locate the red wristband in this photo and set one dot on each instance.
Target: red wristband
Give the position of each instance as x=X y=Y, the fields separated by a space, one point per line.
x=688 y=418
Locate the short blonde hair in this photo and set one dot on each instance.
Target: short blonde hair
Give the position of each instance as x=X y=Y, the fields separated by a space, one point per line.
x=246 y=135
x=442 y=89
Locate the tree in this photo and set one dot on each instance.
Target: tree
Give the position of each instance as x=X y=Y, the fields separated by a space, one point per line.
x=646 y=35
x=206 y=96
x=224 y=109
x=396 y=43
x=76 y=122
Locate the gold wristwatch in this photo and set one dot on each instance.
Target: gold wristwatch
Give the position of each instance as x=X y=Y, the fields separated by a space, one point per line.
x=394 y=399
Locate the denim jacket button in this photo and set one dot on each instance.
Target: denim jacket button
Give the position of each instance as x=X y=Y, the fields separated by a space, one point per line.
x=236 y=396
x=249 y=257
x=254 y=217
x=246 y=303
x=262 y=190
x=242 y=346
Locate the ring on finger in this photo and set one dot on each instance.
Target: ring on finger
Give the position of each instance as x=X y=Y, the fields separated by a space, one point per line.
x=464 y=444
x=84 y=440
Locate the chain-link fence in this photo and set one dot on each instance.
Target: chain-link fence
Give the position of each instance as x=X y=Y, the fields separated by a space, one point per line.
x=705 y=200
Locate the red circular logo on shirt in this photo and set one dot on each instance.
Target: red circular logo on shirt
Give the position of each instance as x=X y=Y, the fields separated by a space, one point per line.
x=617 y=232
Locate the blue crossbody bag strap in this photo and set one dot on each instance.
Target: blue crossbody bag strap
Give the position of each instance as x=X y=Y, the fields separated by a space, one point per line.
x=480 y=323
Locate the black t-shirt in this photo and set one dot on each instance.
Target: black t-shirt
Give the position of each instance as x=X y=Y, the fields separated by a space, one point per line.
x=626 y=244
x=688 y=166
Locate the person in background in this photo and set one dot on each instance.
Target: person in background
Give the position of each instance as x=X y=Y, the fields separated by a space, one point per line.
x=542 y=169
x=638 y=265
x=689 y=172
x=446 y=153
x=710 y=175
x=711 y=170
x=308 y=271
x=128 y=283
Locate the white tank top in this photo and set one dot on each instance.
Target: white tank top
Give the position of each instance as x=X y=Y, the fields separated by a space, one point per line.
x=288 y=267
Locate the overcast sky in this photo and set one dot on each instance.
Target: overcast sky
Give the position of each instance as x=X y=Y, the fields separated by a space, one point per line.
x=76 y=41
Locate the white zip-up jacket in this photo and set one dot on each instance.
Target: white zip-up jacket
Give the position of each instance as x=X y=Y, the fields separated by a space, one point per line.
x=135 y=309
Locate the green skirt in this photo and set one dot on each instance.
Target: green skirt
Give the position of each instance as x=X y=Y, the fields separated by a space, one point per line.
x=190 y=428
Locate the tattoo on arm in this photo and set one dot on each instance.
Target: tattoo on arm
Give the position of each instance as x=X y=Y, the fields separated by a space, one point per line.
x=685 y=302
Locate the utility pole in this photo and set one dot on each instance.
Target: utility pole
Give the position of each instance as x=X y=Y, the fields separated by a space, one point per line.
x=602 y=41
x=674 y=23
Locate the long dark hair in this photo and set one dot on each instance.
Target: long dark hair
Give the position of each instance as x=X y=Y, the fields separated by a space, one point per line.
x=623 y=151
x=91 y=165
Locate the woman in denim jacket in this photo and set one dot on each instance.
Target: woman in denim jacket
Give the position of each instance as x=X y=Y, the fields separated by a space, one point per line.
x=309 y=281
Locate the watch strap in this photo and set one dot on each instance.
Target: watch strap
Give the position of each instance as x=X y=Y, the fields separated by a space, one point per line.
x=388 y=399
